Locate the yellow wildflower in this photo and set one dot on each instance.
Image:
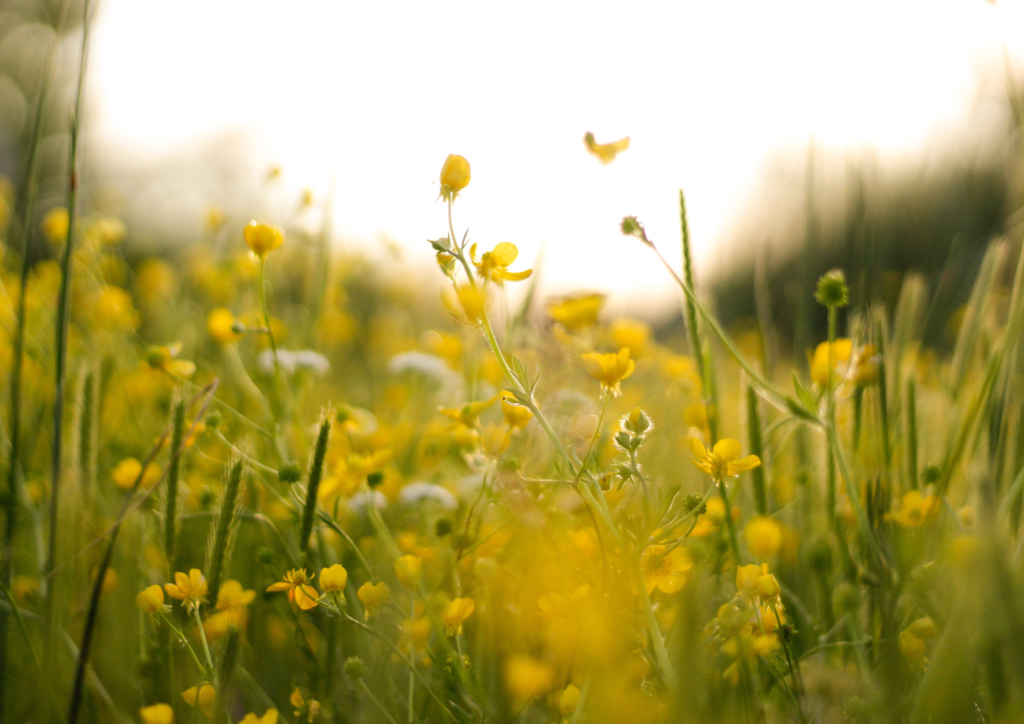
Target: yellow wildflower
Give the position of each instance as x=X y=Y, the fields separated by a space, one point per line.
x=841 y=351
x=232 y=595
x=206 y=695
x=913 y=648
x=516 y=415
x=605 y=152
x=333 y=578
x=299 y=590
x=494 y=264
x=409 y=570
x=151 y=600
x=465 y=302
x=724 y=459
x=575 y=313
x=455 y=176
x=568 y=700
x=467 y=414
x=164 y=357
x=309 y=707
x=373 y=597
x=663 y=570
x=157 y=714
x=128 y=470
x=55 y=225
x=609 y=369
x=269 y=717
x=526 y=677
x=631 y=334
x=914 y=509
x=113 y=310
x=190 y=590
x=220 y=325
x=763 y=536
x=262 y=239
x=455 y=613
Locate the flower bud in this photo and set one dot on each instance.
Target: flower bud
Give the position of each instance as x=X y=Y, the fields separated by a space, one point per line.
x=832 y=289
x=262 y=239
x=151 y=600
x=454 y=176
x=355 y=668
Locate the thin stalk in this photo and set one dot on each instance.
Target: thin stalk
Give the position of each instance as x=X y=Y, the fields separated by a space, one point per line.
x=361 y=685
x=63 y=322
x=27 y=212
x=206 y=646
x=756 y=442
x=78 y=690
x=402 y=657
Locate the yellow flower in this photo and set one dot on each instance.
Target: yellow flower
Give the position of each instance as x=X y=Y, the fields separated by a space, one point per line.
x=455 y=612
x=913 y=648
x=299 y=590
x=409 y=570
x=55 y=225
x=206 y=694
x=724 y=459
x=841 y=351
x=609 y=369
x=605 y=152
x=164 y=357
x=516 y=415
x=219 y=324
x=232 y=596
x=127 y=472
x=190 y=590
x=576 y=313
x=269 y=717
x=764 y=537
x=157 y=714
x=113 y=310
x=755 y=583
x=467 y=414
x=914 y=509
x=494 y=264
x=866 y=370
x=568 y=701
x=631 y=334
x=151 y=600
x=454 y=176
x=373 y=597
x=666 y=571
x=526 y=677
x=311 y=706
x=262 y=239
x=465 y=302
x=333 y=578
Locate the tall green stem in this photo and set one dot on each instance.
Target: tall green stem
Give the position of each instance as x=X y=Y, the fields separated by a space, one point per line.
x=26 y=221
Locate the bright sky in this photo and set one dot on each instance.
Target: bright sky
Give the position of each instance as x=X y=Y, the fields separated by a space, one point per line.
x=380 y=93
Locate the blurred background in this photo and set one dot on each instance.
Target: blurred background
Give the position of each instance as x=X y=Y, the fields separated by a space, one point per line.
x=878 y=135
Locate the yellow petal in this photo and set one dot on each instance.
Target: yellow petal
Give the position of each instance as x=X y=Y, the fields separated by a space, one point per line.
x=306 y=597
x=748 y=463
x=697 y=448
x=727 y=449
x=515 y=276
x=504 y=253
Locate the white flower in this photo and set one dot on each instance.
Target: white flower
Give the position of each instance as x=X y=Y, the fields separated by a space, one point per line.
x=291 y=361
x=420 y=363
x=358 y=502
x=415 y=492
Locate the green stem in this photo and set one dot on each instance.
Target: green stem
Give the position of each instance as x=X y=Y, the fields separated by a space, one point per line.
x=361 y=685
x=206 y=646
x=402 y=657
